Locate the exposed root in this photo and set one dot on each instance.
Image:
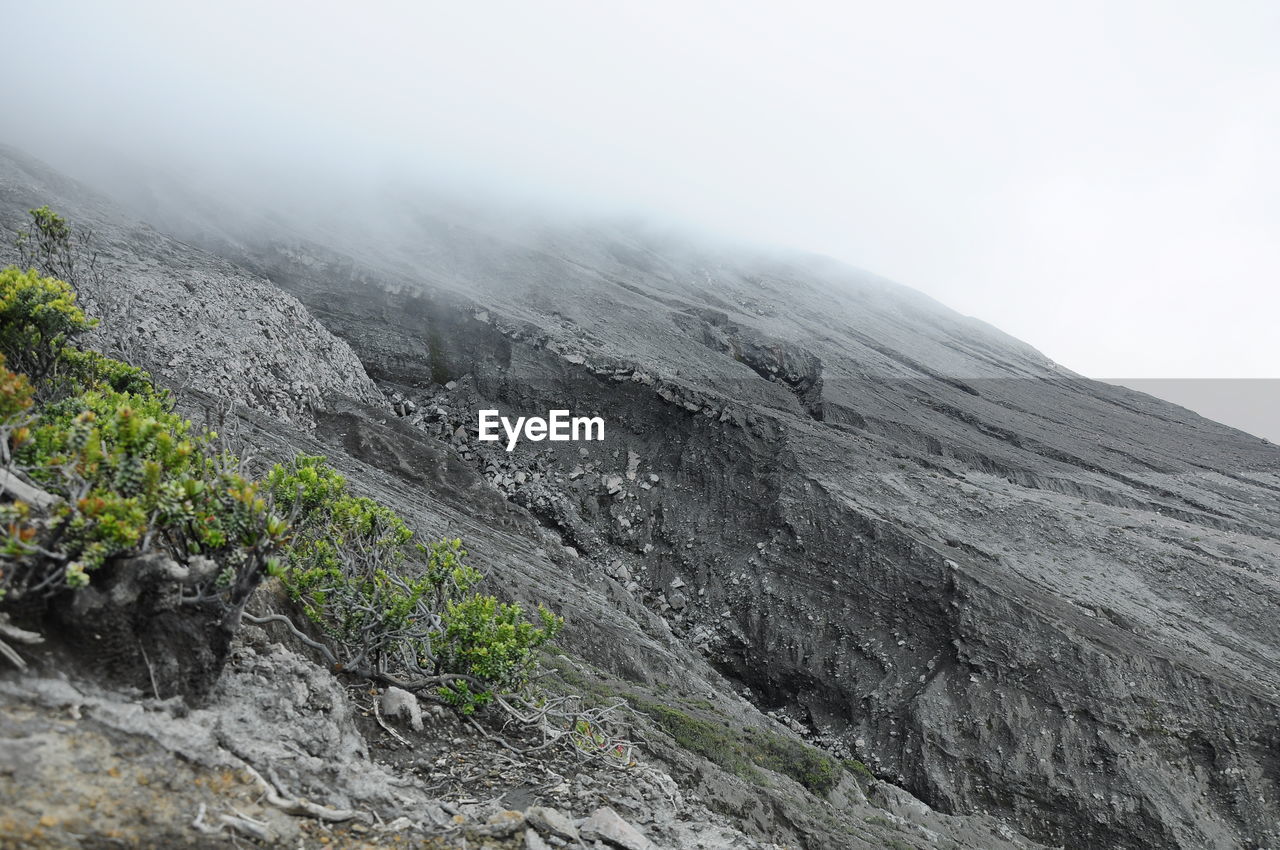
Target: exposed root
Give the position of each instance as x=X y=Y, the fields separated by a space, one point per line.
x=16 y=635
x=297 y=633
x=12 y=656
x=200 y=826
x=297 y=805
x=247 y=826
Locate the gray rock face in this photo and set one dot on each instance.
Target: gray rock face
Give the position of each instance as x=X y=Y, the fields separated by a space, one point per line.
x=1019 y=590
x=195 y=321
x=1004 y=587
x=404 y=705
x=552 y=822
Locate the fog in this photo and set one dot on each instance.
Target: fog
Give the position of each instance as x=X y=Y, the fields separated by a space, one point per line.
x=1098 y=179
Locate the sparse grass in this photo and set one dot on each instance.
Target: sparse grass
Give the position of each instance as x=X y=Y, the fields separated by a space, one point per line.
x=709 y=740
x=695 y=726
x=743 y=753
x=694 y=702
x=859 y=770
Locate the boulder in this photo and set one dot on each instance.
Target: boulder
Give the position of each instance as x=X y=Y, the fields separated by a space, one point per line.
x=608 y=826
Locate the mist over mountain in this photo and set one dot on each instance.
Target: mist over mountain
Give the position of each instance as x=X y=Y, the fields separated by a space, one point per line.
x=1096 y=180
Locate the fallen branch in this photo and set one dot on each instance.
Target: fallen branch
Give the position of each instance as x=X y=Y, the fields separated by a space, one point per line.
x=500 y=741
x=377 y=713
x=155 y=688
x=22 y=491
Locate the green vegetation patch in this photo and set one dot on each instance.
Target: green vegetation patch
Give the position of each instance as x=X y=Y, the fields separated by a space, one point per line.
x=745 y=751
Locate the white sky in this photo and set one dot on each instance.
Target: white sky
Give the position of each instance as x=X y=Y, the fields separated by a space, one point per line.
x=1100 y=179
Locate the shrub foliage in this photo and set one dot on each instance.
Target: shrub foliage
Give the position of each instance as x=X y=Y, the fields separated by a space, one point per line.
x=393 y=605
x=38 y=318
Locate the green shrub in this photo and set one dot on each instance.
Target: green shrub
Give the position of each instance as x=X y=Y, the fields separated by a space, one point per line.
x=134 y=478
x=38 y=318
x=491 y=641
x=130 y=476
x=86 y=369
x=389 y=603
x=15 y=394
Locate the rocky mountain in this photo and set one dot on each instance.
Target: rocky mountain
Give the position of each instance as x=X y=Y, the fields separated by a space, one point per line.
x=1037 y=607
x=200 y=323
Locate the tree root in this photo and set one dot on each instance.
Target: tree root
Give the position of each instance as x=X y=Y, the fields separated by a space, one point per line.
x=297 y=633
x=297 y=805
x=16 y=635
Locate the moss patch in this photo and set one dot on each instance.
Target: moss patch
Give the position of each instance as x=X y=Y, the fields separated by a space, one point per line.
x=743 y=751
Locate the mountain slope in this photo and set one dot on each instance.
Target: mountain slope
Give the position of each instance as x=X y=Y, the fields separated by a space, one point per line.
x=197 y=321
x=1005 y=587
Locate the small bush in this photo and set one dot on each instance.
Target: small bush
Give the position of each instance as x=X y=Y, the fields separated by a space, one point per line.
x=15 y=394
x=134 y=478
x=490 y=641
x=38 y=318
x=86 y=369
x=390 y=604
x=50 y=245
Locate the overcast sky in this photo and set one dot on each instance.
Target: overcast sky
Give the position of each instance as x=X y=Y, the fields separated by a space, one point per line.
x=1098 y=179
